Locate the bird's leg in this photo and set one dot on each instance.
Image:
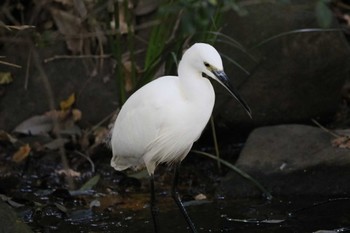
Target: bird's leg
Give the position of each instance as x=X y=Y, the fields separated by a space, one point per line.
x=154 y=208
x=176 y=197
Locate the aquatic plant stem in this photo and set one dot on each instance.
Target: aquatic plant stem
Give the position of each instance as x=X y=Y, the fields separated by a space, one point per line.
x=216 y=146
x=237 y=170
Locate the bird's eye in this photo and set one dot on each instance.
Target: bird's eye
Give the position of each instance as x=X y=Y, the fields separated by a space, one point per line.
x=206 y=64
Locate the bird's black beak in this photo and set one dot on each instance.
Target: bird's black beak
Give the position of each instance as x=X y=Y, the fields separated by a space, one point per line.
x=223 y=80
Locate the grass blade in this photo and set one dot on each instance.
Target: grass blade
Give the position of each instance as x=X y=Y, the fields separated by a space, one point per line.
x=245 y=175
x=305 y=30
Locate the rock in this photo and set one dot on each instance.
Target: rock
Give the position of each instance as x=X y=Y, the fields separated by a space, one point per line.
x=96 y=95
x=291 y=160
x=9 y=222
x=296 y=77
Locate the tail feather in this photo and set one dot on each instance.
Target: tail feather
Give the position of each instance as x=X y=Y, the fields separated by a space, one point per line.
x=121 y=163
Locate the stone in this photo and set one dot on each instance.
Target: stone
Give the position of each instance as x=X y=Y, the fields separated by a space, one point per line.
x=96 y=95
x=9 y=222
x=295 y=77
x=291 y=160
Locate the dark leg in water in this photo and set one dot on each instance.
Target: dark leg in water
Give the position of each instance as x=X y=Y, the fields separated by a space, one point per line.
x=154 y=208
x=176 y=197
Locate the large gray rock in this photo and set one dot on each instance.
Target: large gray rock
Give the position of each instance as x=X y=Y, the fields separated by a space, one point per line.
x=296 y=77
x=289 y=160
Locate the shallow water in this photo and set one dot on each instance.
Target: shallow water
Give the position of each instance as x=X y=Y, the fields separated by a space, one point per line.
x=303 y=214
x=298 y=214
x=118 y=203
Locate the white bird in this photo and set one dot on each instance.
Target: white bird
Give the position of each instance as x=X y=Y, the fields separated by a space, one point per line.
x=160 y=122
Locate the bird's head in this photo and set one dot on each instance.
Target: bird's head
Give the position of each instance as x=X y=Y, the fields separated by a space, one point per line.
x=206 y=59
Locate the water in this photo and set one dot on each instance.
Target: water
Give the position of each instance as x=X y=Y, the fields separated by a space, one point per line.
x=119 y=203
x=301 y=214
x=281 y=215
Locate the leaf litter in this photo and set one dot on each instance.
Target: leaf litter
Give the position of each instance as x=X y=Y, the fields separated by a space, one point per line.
x=21 y=154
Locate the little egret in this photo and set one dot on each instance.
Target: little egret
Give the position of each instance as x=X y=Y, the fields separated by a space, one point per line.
x=160 y=122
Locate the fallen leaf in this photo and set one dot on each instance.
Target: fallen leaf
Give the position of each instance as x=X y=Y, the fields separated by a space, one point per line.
x=68 y=103
x=15 y=204
x=5 y=78
x=61 y=207
x=200 y=197
x=4 y=197
x=341 y=142
x=345 y=145
x=77 y=115
x=21 y=154
x=36 y=125
x=4 y=136
x=68 y=172
x=95 y=203
x=66 y=121
x=10 y=201
x=100 y=135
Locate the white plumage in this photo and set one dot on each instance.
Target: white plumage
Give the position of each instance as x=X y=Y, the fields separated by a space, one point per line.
x=160 y=122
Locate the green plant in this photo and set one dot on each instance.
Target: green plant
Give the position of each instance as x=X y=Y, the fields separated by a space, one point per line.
x=189 y=21
x=323 y=14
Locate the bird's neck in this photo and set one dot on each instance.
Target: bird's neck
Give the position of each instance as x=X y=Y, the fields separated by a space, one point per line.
x=194 y=86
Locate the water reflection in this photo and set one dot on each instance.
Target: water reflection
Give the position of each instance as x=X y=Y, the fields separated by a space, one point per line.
x=283 y=215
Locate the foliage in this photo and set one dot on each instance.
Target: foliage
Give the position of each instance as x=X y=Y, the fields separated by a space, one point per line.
x=323 y=14
x=188 y=20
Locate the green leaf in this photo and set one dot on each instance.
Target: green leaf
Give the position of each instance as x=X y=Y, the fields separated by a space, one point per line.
x=90 y=183
x=323 y=14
